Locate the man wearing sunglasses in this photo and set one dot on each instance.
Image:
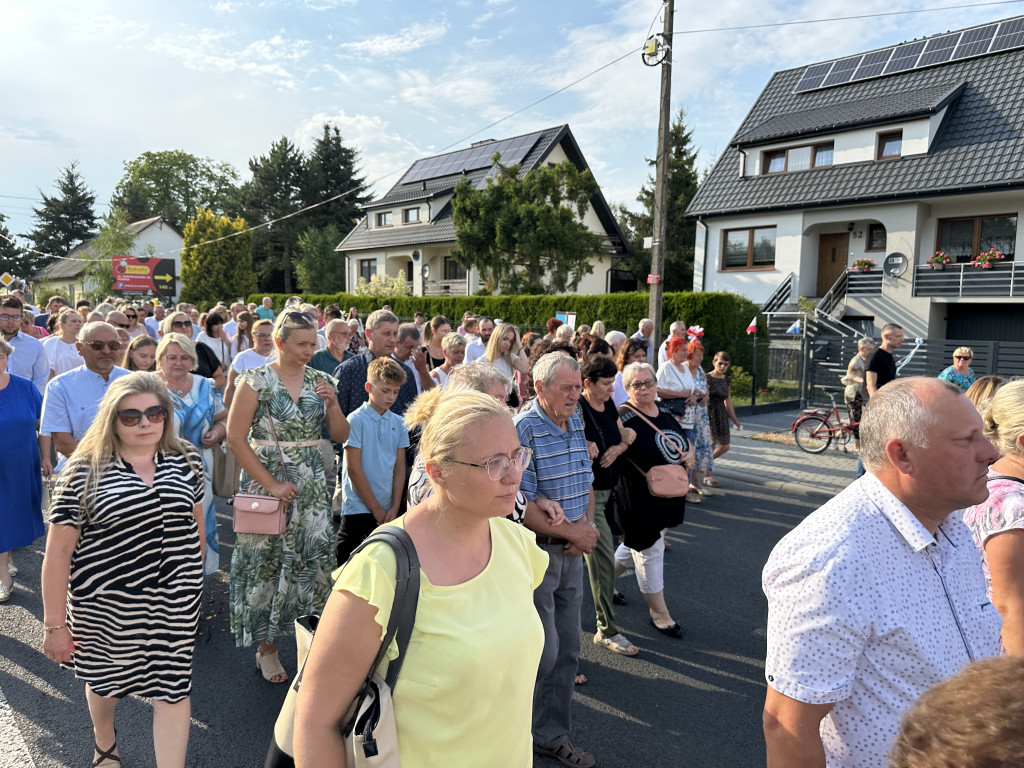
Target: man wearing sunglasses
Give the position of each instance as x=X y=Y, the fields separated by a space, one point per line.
x=73 y=399
x=29 y=359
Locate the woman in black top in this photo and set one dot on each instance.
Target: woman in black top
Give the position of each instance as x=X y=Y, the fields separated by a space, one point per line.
x=659 y=440
x=434 y=333
x=606 y=440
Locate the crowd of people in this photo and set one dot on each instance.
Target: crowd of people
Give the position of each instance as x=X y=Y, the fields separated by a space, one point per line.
x=514 y=462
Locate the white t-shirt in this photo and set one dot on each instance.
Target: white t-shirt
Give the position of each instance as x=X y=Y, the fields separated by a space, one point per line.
x=248 y=359
x=670 y=377
x=475 y=348
x=223 y=347
x=62 y=357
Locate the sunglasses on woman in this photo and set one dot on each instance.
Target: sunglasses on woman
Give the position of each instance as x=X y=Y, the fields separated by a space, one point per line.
x=130 y=417
x=181 y=324
x=645 y=384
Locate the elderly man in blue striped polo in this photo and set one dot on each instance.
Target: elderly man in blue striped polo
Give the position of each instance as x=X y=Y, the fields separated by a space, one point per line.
x=560 y=469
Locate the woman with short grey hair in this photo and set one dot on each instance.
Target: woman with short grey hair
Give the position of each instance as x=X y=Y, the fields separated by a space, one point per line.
x=856 y=392
x=659 y=440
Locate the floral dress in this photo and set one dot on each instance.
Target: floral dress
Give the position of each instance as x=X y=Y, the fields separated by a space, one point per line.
x=702 y=447
x=276 y=579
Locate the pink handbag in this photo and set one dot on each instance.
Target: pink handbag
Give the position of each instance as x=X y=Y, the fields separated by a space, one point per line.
x=666 y=481
x=255 y=513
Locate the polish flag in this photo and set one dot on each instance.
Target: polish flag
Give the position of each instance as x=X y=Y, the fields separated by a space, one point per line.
x=752 y=328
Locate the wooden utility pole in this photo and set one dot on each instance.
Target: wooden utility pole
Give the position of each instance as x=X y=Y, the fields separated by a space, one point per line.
x=656 y=278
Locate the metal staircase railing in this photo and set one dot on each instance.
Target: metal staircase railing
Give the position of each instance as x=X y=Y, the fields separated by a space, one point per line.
x=826 y=309
x=781 y=296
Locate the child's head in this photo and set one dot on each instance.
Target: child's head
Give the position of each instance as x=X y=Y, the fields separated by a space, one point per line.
x=384 y=377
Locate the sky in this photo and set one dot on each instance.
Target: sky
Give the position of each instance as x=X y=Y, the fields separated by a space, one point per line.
x=102 y=81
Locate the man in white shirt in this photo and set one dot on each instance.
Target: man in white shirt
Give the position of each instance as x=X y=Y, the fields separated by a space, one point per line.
x=879 y=594
x=20 y=295
x=29 y=359
x=153 y=323
x=474 y=346
x=646 y=329
x=677 y=329
x=408 y=353
x=231 y=326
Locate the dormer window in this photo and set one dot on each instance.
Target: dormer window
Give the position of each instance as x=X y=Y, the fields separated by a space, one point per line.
x=797 y=158
x=410 y=215
x=890 y=145
x=384 y=219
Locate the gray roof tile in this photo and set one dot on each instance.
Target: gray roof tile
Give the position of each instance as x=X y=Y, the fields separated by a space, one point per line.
x=979 y=146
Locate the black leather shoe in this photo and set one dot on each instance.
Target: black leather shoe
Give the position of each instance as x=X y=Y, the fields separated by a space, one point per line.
x=672 y=631
x=618 y=598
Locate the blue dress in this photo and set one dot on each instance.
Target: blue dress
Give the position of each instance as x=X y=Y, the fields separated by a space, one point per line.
x=21 y=513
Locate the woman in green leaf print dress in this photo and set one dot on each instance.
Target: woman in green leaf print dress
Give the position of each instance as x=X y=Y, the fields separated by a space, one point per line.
x=275 y=579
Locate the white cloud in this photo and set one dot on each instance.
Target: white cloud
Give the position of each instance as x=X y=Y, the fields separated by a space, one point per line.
x=225 y=7
x=414 y=36
x=461 y=89
x=209 y=50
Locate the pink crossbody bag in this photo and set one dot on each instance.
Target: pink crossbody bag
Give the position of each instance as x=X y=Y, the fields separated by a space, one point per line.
x=258 y=513
x=666 y=481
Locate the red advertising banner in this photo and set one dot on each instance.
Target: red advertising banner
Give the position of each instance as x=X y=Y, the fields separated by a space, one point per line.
x=143 y=276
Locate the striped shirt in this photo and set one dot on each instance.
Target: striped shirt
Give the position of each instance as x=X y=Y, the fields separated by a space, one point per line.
x=560 y=468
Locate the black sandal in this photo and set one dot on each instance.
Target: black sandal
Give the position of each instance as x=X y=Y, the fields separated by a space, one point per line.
x=618 y=598
x=108 y=755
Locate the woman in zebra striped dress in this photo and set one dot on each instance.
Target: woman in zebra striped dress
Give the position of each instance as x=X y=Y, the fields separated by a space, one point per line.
x=123 y=573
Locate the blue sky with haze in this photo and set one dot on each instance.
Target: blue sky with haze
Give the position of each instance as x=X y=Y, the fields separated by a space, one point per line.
x=101 y=81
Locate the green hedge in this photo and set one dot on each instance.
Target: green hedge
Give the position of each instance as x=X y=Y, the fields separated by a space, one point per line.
x=724 y=316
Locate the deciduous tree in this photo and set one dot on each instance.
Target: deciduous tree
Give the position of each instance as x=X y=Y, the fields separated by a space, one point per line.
x=20 y=262
x=219 y=270
x=115 y=238
x=173 y=184
x=66 y=219
x=680 y=233
x=318 y=267
x=527 y=234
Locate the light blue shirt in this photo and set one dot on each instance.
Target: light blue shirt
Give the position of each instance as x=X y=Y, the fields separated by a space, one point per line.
x=378 y=438
x=560 y=468
x=29 y=360
x=72 y=400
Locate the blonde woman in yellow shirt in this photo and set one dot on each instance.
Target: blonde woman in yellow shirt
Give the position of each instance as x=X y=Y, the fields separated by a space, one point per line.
x=465 y=694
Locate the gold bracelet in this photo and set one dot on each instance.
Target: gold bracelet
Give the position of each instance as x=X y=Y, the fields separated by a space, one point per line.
x=51 y=630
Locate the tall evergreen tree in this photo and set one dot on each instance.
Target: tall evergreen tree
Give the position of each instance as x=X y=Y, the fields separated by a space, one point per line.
x=274 y=191
x=67 y=219
x=18 y=261
x=319 y=268
x=218 y=270
x=680 y=233
x=330 y=170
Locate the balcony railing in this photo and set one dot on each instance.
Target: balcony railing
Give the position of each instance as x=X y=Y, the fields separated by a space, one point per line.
x=445 y=288
x=963 y=280
x=864 y=283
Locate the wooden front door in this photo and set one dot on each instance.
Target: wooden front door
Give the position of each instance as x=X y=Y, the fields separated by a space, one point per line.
x=832 y=255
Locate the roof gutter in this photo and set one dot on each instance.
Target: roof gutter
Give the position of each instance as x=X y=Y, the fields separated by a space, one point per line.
x=704 y=264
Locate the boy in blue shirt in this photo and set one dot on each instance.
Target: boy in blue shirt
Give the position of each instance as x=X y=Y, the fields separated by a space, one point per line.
x=374 y=474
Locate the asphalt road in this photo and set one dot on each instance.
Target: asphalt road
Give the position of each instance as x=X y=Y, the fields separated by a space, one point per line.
x=694 y=702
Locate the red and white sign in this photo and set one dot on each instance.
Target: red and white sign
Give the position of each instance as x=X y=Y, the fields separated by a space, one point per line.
x=653 y=279
x=143 y=276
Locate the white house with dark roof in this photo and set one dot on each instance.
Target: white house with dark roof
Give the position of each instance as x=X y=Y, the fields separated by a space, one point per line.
x=889 y=155
x=409 y=231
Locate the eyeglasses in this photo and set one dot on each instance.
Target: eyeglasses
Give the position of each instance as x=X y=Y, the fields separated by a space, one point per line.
x=11 y=318
x=96 y=346
x=263 y=336
x=645 y=384
x=497 y=466
x=155 y=414
x=962 y=357
x=132 y=317
x=181 y=324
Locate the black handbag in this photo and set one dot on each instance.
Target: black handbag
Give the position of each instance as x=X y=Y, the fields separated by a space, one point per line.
x=369 y=724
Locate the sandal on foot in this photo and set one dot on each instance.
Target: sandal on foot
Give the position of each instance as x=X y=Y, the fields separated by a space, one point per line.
x=710 y=481
x=616 y=644
x=693 y=497
x=107 y=758
x=567 y=754
x=581 y=679
x=270 y=667
x=12 y=568
x=618 y=598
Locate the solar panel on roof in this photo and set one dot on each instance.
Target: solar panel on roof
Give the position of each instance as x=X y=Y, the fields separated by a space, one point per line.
x=1010 y=35
x=470 y=159
x=975 y=42
x=813 y=77
x=938 y=49
x=872 y=64
x=904 y=57
x=842 y=71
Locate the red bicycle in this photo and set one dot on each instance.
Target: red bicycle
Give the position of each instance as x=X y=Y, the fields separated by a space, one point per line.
x=817 y=427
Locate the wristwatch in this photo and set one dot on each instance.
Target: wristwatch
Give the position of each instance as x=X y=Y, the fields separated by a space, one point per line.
x=591 y=523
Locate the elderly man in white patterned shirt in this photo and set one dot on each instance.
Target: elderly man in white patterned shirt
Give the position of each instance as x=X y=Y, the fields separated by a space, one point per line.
x=879 y=594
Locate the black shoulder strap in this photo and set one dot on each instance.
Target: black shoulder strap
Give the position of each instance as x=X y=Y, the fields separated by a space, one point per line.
x=1006 y=477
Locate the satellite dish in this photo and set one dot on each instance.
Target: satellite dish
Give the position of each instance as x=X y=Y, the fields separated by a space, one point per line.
x=895 y=264
x=655 y=50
